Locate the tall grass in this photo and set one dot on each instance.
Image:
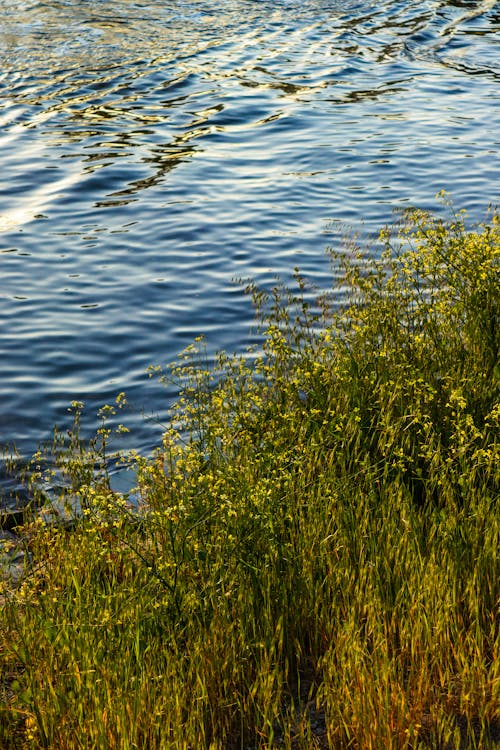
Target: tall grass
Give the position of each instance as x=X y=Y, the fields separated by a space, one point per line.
x=314 y=562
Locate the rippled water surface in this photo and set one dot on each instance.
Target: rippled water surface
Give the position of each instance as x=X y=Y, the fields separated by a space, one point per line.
x=150 y=152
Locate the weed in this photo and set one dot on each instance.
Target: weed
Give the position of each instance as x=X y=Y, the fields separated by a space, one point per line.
x=314 y=562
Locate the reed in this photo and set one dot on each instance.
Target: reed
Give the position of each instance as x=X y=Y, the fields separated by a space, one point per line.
x=314 y=559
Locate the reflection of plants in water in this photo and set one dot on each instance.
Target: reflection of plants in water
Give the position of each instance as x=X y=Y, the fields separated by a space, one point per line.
x=313 y=559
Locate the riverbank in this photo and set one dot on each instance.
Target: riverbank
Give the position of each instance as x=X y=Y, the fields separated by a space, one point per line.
x=311 y=559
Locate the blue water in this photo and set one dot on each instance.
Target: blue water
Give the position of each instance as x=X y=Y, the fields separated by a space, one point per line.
x=151 y=152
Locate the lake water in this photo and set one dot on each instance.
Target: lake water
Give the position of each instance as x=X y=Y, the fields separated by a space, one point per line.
x=151 y=152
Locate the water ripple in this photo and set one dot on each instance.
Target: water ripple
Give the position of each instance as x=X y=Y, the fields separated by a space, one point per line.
x=150 y=152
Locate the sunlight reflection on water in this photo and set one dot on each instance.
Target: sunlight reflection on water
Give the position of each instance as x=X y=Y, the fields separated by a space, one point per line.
x=151 y=152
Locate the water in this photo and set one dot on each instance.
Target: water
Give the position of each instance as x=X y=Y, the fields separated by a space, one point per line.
x=150 y=152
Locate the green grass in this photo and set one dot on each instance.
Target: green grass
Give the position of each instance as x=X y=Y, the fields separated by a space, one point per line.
x=315 y=562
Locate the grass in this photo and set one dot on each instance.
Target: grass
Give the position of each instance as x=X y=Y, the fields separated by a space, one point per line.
x=314 y=560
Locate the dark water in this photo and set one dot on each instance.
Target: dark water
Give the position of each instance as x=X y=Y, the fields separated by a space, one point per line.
x=150 y=152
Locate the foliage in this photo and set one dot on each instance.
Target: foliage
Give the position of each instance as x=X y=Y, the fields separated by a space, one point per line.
x=311 y=557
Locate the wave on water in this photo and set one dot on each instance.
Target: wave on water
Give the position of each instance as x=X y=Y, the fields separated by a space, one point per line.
x=152 y=152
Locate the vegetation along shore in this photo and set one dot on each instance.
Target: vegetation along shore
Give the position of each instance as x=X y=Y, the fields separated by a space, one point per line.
x=310 y=558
